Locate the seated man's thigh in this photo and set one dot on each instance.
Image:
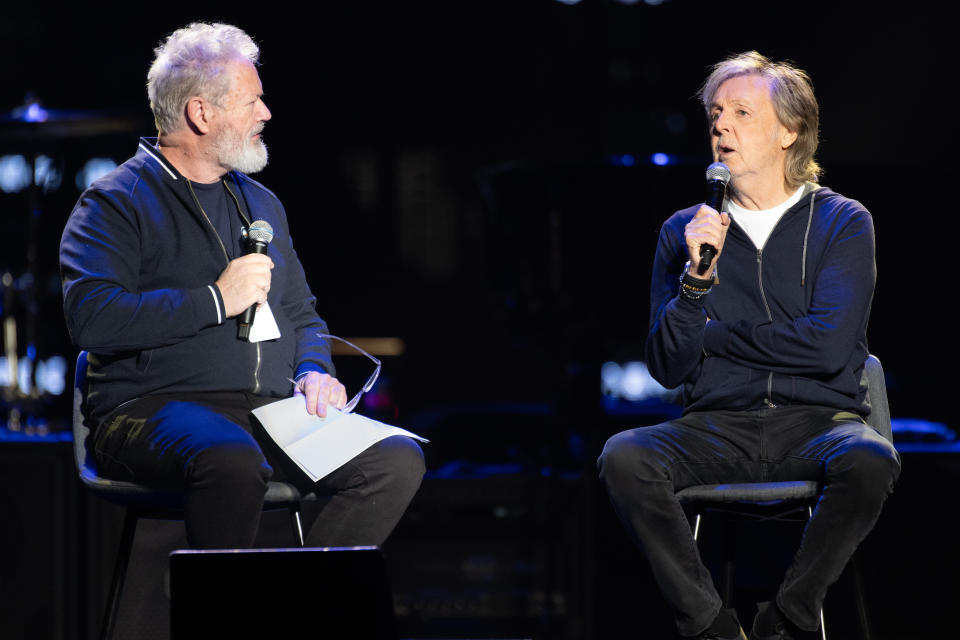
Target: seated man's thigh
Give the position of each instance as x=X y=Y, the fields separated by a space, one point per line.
x=159 y=440
x=704 y=448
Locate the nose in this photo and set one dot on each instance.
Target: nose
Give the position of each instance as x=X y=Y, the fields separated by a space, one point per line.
x=263 y=113
x=720 y=122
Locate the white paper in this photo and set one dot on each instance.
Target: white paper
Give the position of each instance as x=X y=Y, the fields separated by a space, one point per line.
x=321 y=445
x=264 y=325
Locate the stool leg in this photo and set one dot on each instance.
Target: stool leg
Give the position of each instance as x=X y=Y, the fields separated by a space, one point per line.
x=296 y=524
x=119 y=574
x=729 y=551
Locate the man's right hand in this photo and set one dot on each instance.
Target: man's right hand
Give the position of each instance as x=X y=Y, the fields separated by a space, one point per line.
x=707 y=227
x=245 y=282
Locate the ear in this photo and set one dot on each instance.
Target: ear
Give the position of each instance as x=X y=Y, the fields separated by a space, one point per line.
x=787 y=138
x=198 y=112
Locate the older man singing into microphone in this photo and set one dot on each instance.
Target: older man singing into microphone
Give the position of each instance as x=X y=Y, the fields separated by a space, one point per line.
x=768 y=343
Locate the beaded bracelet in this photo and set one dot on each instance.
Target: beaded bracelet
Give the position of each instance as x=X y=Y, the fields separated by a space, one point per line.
x=691 y=293
x=694 y=288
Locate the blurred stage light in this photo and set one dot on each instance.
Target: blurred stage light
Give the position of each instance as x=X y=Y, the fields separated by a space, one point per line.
x=46 y=174
x=630 y=381
x=660 y=159
x=14 y=173
x=94 y=168
x=50 y=374
x=35 y=113
x=623 y=160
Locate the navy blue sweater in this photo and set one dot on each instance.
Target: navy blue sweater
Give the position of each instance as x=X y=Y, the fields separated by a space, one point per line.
x=139 y=259
x=787 y=323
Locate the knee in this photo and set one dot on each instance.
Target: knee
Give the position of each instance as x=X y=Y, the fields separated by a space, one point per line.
x=870 y=462
x=234 y=465
x=623 y=458
x=402 y=463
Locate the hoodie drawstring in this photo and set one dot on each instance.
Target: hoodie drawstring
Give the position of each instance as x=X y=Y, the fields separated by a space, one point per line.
x=806 y=236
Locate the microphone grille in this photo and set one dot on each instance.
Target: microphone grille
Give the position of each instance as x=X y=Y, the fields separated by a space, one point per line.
x=260 y=231
x=716 y=171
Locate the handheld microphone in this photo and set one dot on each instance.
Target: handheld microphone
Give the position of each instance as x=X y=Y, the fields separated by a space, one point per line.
x=718 y=175
x=258 y=236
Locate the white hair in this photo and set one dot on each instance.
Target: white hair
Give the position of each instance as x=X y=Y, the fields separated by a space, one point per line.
x=796 y=107
x=190 y=62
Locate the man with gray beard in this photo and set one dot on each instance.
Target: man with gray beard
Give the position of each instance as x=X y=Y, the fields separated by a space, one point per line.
x=154 y=278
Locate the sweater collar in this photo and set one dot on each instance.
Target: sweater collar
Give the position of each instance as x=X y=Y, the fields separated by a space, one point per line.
x=149 y=147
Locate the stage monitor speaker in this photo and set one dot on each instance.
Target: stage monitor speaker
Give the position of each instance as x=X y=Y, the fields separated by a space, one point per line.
x=334 y=592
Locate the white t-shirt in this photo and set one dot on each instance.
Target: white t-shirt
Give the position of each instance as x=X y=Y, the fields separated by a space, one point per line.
x=759 y=224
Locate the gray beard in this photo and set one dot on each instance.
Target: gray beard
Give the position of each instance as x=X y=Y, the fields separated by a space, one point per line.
x=239 y=153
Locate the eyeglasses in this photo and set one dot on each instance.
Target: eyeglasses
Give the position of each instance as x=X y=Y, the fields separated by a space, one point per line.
x=372 y=380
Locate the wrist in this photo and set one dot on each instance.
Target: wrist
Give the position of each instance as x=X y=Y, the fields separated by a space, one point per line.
x=694 y=288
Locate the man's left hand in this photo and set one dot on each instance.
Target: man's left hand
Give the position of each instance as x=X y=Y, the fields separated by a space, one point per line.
x=321 y=390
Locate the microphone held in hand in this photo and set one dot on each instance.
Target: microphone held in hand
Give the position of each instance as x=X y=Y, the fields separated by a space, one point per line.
x=258 y=236
x=718 y=175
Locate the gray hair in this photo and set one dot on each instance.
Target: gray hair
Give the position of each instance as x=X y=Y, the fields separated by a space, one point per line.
x=190 y=62
x=793 y=101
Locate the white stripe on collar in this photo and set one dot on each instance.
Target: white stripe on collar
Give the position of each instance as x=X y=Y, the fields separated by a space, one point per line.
x=154 y=156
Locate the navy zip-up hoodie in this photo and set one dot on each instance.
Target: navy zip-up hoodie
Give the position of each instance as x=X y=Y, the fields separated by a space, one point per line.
x=784 y=325
x=138 y=261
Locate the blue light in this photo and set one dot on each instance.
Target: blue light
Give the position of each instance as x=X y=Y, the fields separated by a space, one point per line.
x=50 y=374
x=14 y=173
x=46 y=174
x=660 y=159
x=630 y=381
x=625 y=160
x=35 y=113
x=94 y=168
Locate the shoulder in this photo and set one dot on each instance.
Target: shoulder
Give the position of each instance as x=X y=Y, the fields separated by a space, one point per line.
x=122 y=181
x=840 y=222
x=143 y=181
x=839 y=209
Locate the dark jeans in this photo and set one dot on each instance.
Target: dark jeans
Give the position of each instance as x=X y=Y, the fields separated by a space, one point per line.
x=207 y=445
x=643 y=468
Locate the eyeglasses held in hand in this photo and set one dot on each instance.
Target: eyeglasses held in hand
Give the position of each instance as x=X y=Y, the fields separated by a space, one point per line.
x=372 y=380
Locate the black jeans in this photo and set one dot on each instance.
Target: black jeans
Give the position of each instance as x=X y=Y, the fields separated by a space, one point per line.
x=644 y=468
x=207 y=445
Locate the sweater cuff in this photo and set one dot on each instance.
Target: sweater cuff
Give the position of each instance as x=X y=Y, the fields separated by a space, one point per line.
x=220 y=309
x=306 y=367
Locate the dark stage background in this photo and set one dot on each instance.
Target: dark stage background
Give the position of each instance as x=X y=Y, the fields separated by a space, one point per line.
x=474 y=178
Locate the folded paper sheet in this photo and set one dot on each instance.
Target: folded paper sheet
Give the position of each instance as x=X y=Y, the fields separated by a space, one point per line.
x=321 y=445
